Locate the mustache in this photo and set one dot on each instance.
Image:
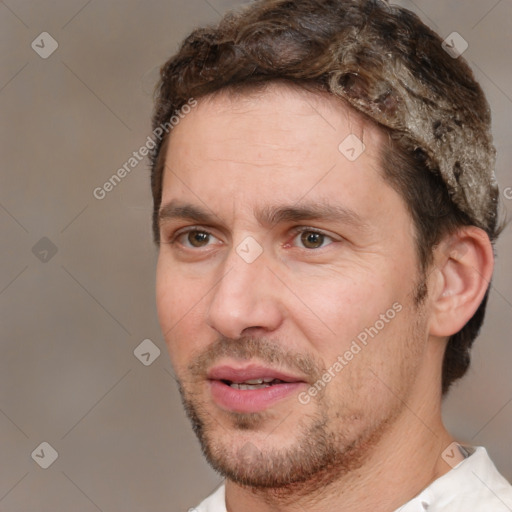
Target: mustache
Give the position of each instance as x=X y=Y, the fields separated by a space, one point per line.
x=266 y=350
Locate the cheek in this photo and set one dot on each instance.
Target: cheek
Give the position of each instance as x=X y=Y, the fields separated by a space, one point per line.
x=167 y=286
x=341 y=308
x=179 y=305
x=379 y=357
x=178 y=294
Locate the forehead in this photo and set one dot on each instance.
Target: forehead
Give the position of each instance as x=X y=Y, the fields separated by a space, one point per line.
x=295 y=114
x=263 y=146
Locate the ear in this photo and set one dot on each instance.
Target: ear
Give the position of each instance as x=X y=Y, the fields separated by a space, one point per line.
x=464 y=262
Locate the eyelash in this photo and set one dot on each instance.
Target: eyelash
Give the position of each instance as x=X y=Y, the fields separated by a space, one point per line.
x=174 y=239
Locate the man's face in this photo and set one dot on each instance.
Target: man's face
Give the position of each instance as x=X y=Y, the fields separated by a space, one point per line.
x=278 y=255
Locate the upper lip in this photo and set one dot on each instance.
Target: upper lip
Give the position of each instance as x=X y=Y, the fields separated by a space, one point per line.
x=249 y=372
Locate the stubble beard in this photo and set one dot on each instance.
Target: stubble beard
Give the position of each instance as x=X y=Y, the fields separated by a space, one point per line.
x=324 y=448
x=321 y=453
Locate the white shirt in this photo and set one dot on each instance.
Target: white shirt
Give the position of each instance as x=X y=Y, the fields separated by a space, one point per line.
x=473 y=485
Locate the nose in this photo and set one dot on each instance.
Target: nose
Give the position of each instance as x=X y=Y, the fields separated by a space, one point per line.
x=245 y=301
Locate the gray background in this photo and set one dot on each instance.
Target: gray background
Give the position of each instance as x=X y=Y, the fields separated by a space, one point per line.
x=68 y=374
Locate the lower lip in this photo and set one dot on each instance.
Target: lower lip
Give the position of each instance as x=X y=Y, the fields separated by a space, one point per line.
x=251 y=400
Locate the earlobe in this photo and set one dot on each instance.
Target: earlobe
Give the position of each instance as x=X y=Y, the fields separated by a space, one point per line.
x=465 y=263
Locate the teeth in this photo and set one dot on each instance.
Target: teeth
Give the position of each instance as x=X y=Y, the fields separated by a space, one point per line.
x=254 y=383
x=249 y=386
x=259 y=381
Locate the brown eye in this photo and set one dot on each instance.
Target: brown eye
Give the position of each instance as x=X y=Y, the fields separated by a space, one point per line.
x=312 y=239
x=198 y=238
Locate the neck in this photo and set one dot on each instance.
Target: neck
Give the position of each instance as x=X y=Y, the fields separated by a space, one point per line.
x=406 y=459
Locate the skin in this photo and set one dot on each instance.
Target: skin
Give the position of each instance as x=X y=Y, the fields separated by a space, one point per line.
x=375 y=431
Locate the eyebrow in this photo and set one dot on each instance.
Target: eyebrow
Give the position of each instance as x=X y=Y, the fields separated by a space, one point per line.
x=268 y=216
x=272 y=216
x=174 y=210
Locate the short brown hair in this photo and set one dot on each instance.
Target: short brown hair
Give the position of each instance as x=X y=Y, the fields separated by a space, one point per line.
x=385 y=63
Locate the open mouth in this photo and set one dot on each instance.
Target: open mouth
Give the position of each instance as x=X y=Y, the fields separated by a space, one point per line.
x=251 y=388
x=254 y=383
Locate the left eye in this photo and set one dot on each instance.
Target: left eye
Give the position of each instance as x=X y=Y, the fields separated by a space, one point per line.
x=312 y=239
x=195 y=238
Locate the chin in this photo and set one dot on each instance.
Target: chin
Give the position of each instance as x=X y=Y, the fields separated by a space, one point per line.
x=239 y=449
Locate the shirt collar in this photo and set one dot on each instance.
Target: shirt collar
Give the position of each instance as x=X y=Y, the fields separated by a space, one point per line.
x=476 y=468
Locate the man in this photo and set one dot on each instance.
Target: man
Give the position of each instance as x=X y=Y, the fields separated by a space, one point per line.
x=325 y=208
